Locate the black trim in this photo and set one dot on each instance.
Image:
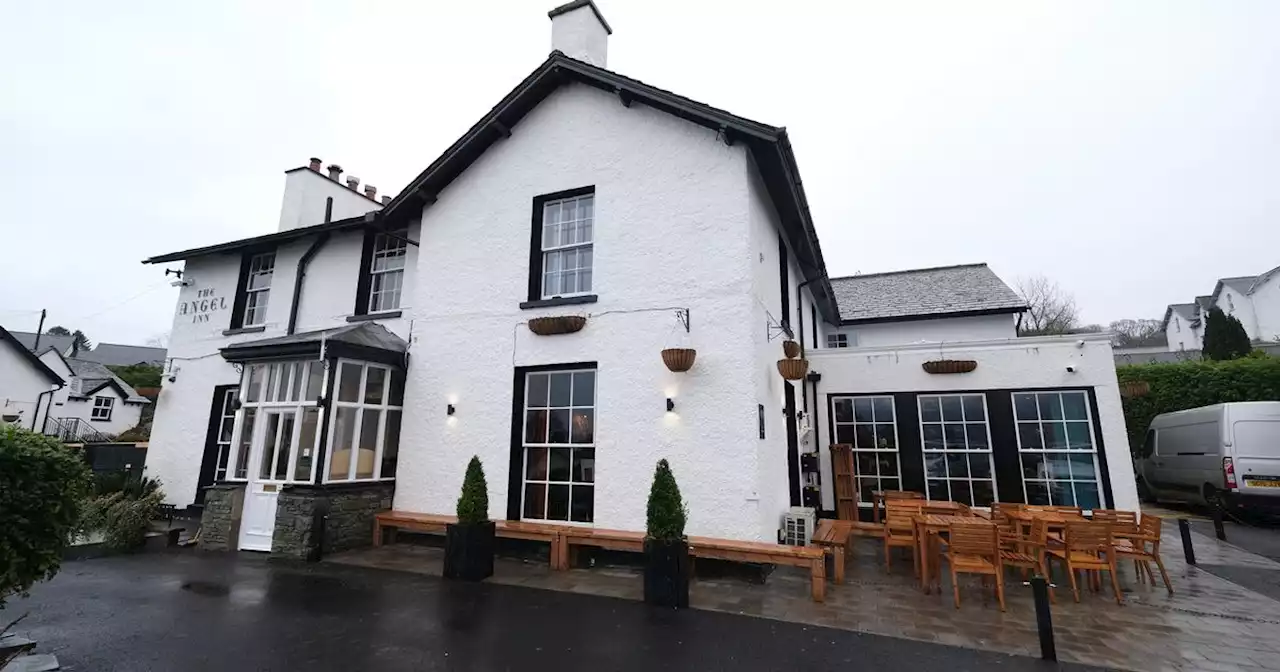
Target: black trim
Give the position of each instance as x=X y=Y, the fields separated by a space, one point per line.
x=1108 y=500
x=364 y=281
x=783 y=278
x=322 y=453
x=793 y=443
x=209 y=461
x=267 y=241
x=535 y=239
x=813 y=314
x=237 y=303
x=33 y=359
x=245 y=330
x=385 y=315
x=933 y=316
x=559 y=301
x=515 y=467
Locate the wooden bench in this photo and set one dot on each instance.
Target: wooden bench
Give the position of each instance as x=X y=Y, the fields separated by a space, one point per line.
x=430 y=523
x=812 y=557
x=609 y=540
x=832 y=536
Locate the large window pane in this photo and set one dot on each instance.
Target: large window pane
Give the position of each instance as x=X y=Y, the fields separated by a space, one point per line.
x=866 y=424
x=349 y=382
x=957 y=448
x=375 y=381
x=306 y=444
x=369 y=429
x=559 y=412
x=246 y=440
x=343 y=428
x=1055 y=443
x=391 y=445
x=315 y=381
x=283 y=449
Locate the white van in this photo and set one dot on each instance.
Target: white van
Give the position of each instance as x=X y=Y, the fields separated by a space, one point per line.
x=1227 y=454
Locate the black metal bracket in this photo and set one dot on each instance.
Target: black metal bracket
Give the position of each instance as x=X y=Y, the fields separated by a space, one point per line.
x=776 y=329
x=170 y=271
x=682 y=314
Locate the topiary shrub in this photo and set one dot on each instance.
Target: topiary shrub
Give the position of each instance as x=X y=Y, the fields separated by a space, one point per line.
x=42 y=484
x=666 y=514
x=473 y=504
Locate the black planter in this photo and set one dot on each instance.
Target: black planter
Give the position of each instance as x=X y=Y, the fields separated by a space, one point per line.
x=468 y=551
x=666 y=573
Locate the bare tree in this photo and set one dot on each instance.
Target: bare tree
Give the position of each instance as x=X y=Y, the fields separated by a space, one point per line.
x=1138 y=333
x=1050 y=310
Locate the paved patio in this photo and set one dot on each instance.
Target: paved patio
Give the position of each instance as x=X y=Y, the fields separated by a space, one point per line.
x=1210 y=623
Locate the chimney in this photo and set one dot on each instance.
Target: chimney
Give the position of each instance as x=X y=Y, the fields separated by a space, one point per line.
x=334 y=171
x=579 y=31
x=386 y=200
x=353 y=182
x=315 y=164
x=371 y=191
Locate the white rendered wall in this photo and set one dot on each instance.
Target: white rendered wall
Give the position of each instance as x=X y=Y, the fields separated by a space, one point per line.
x=579 y=34
x=941 y=330
x=670 y=231
x=182 y=410
x=1022 y=363
x=122 y=416
x=305 y=194
x=20 y=386
x=1240 y=306
x=1266 y=308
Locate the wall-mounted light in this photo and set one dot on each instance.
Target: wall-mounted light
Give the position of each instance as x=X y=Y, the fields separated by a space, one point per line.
x=449 y=409
x=671 y=404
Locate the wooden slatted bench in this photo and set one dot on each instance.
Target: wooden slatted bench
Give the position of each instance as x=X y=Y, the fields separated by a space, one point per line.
x=832 y=536
x=609 y=540
x=430 y=523
x=773 y=554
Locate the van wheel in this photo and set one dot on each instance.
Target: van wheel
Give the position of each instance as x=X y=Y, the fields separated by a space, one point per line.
x=1145 y=495
x=1213 y=499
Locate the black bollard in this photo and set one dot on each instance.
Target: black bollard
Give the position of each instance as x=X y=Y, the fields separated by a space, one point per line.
x=1217 y=524
x=1044 y=621
x=1185 y=529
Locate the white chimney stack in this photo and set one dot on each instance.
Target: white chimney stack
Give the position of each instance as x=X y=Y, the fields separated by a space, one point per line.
x=310 y=198
x=578 y=30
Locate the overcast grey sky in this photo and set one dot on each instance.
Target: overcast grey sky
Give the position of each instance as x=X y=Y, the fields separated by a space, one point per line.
x=1128 y=150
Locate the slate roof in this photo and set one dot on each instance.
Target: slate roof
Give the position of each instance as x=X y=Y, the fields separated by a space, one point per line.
x=1241 y=283
x=114 y=354
x=367 y=341
x=28 y=340
x=7 y=337
x=1186 y=311
x=93 y=376
x=369 y=334
x=926 y=292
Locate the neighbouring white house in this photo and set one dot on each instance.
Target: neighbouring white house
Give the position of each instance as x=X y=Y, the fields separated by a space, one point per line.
x=95 y=404
x=1252 y=299
x=26 y=384
x=513 y=302
x=109 y=354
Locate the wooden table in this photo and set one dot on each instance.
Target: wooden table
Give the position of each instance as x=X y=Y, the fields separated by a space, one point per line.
x=933 y=524
x=877 y=503
x=1055 y=520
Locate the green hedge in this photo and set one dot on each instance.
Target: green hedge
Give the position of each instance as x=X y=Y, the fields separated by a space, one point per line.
x=1177 y=386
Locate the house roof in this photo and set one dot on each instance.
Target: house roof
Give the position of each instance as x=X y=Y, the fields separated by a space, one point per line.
x=1186 y=311
x=970 y=289
x=28 y=339
x=94 y=376
x=1242 y=284
x=368 y=341
x=25 y=353
x=115 y=354
x=1261 y=279
x=266 y=240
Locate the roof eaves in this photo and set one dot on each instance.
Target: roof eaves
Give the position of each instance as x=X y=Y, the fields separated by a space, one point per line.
x=269 y=239
x=31 y=357
x=915 y=317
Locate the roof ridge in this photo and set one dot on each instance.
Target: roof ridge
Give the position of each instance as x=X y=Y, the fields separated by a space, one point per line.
x=981 y=264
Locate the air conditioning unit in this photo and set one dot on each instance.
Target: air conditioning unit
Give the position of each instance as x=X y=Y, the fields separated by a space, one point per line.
x=798 y=525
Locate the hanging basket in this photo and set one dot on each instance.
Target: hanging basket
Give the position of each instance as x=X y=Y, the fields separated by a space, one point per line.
x=791 y=349
x=10 y=417
x=950 y=366
x=793 y=369
x=679 y=360
x=560 y=324
x=1134 y=388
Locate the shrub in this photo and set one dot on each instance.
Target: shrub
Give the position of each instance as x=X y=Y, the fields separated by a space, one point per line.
x=1177 y=386
x=42 y=484
x=1224 y=337
x=122 y=519
x=666 y=514
x=473 y=504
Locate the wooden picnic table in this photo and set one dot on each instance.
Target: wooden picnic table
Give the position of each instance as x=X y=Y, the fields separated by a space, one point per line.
x=932 y=525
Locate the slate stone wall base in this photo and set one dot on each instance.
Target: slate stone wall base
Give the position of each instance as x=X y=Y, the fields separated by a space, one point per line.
x=220 y=520
x=315 y=520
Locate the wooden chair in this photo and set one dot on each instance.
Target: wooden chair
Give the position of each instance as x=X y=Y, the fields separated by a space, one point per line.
x=928 y=510
x=1089 y=547
x=886 y=495
x=974 y=548
x=1135 y=548
x=900 y=530
x=1062 y=509
x=1029 y=553
x=1124 y=524
x=1007 y=529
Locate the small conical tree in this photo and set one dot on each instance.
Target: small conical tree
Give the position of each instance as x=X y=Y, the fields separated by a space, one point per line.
x=666 y=513
x=473 y=505
x=1224 y=337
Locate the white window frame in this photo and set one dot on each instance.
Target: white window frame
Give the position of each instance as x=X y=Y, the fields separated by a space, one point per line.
x=256 y=299
x=837 y=340
x=109 y=407
x=560 y=247
x=1045 y=451
x=548 y=446
x=360 y=407
x=864 y=498
x=223 y=464
x=269 y=391
x=925 y=451
x=390 y=256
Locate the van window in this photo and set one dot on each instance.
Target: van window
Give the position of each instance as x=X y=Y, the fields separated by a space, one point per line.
x=1257 y=438
x=1197 y=439
x=1149 y=445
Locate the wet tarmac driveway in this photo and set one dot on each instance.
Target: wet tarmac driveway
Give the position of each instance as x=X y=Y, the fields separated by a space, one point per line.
x=186 y=611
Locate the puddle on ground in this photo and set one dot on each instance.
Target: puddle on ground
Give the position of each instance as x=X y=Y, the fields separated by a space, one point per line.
x=207 y=588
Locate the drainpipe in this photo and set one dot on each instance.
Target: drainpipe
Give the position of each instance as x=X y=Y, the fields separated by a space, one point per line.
x=302 y=273
x=804 y=391
x=36 y=415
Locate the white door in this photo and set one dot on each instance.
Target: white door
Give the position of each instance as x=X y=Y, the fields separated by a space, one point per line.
x=272 y=449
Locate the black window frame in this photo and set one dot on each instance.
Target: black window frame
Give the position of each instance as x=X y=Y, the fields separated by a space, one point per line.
x=93 y=410
x=785 y=280
x=515 y=470
x=242 y=285
x=534 y=294
x=364 y=281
